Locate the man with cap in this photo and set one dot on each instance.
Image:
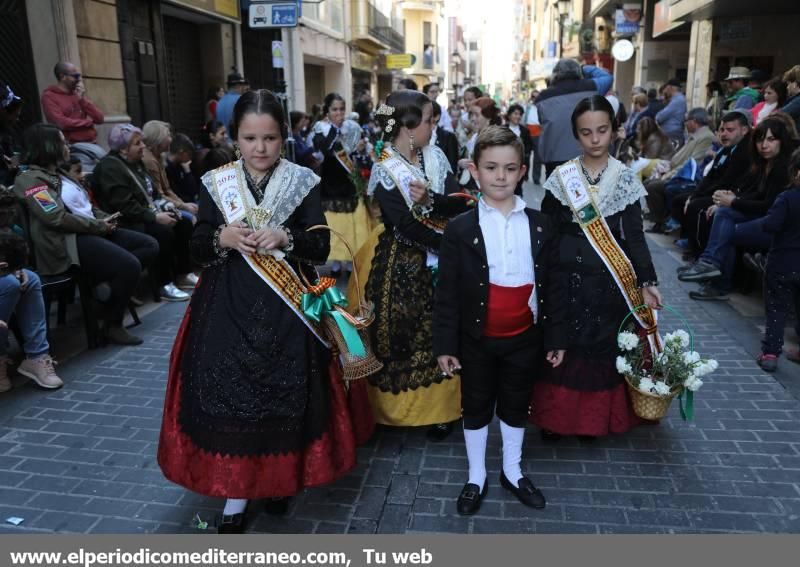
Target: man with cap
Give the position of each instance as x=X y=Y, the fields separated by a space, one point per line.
x=740 y=95
x=670 y=118
x=569 y=84
x=10 y=108
x=237 y=86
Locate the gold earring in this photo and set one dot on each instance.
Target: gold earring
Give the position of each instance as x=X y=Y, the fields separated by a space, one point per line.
x=236 y=151
x=411 y=143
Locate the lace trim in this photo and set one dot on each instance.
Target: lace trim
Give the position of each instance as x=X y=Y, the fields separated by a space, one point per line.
x=619 y=187
x=436 y=169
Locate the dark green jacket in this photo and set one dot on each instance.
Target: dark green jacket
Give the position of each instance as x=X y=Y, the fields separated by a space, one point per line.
x=52 y=227
x=122 y=187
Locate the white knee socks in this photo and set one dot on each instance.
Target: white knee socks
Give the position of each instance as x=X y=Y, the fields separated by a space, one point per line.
x=512 y=451
x=476 y=454
x=234 y=506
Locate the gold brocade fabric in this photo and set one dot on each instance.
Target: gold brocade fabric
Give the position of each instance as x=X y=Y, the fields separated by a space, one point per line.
x=438 y=403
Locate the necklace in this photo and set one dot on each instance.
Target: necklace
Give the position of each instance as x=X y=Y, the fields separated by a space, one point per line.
x=592 y=180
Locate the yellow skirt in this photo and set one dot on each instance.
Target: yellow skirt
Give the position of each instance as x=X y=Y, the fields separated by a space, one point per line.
x=361 y=267
x=438 y=403
x=355 y=227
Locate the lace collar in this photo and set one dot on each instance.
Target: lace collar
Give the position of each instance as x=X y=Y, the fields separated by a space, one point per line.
x=434 y=160
x=618 y=187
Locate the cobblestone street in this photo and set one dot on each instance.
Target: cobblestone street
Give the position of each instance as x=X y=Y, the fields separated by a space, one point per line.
x=82 y=459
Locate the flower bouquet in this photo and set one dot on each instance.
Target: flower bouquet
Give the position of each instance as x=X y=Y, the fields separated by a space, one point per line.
x=655 y=379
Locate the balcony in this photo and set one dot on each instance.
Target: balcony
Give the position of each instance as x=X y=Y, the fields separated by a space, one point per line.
x=373 y=31
x=421 y=5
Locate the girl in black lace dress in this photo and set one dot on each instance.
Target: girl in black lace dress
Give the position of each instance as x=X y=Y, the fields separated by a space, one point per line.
x=255 y=405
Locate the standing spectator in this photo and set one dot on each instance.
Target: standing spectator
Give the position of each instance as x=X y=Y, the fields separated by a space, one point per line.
x=569 y=84
x=783 y=268
x=407 y=84
x=514 y=119
x=66 y=105
x=303 y=152
x=364 y=108
x=652 y=143
x=433 y=90
x=121 y=184
x=471 y=94
x=445 y=139
x=214 y=94
x=740 y=96
x=157 y=136
x=535 y=130
x=670 y=118
x=792 y=106
x=179 y=169
x=716 y=103
x=774 y=98
x=10 y=108
x=237 y=85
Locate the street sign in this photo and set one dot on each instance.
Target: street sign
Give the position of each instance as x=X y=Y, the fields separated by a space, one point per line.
x=400 y=61
x=273 y=15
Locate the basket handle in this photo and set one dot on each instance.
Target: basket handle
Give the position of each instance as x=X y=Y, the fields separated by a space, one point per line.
x=668 y=308
x=354 y=273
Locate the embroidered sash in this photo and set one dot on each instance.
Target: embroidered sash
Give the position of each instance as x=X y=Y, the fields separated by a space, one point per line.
x=342 y=157
x=286 y=189
x=599 y=235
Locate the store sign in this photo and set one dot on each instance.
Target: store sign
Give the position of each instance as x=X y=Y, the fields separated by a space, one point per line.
x=226 y=9
x=628 y=19
x=400 y=61
x=273 y=15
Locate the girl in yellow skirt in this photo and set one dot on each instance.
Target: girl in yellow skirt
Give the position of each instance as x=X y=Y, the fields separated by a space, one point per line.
x=410 y=182
x=345 y=154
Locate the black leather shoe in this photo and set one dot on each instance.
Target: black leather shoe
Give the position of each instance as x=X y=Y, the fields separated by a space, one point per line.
x=276 y=506
x=440 y=431
x=469 y=501
x=526 y=493
x=549 y=436
x=233 y=524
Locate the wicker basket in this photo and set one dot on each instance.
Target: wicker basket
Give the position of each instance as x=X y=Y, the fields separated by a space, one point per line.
x=650 y=406
x=353 y=367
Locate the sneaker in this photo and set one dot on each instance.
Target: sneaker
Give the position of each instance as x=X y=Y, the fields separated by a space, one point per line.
x=42 y=371
x=685 y=268
x=709 y=293
x=682 y=243
x=700 y=272
x=671 y=225
x=187 y=281
x=171 y=293
x=5 y=382
x=768 y=362
x=118 y=335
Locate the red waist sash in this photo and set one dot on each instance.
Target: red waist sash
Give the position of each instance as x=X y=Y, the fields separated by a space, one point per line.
x=508 y=313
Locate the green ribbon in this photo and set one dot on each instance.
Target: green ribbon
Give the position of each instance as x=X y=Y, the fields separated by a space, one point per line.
x=315 y=306
x=687 y=412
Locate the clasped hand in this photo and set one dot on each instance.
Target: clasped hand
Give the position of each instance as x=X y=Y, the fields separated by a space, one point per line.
x=247 y=241
x=419 y=192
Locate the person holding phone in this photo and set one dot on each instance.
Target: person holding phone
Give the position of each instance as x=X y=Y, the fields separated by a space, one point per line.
x=69 y=232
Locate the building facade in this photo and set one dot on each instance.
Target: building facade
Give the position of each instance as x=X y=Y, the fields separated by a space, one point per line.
x=425 y=30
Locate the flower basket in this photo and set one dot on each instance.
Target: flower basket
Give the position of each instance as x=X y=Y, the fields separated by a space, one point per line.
x=655 y=379
x=345 y=330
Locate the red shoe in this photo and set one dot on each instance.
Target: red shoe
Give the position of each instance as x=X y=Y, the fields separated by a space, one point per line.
x=768 y=362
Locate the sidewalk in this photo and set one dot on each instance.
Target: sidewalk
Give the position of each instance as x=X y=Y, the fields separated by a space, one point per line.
x=83 y=459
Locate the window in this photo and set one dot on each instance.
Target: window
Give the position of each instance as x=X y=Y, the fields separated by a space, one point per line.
x=426 y=33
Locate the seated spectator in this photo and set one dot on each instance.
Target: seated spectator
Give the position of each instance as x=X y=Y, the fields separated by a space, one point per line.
x=698 y=142
x=726 y=171
x=10 y=109
x=639 y=106
x=774 y=98
x=213 y=135
x=651 y=141
x=670 y=118
x=736 y=213
x=121 y=184
x=716 y=103
x=179 y=169
x=66 y=105
x=782 y=280
x=792 y=106
x=740 y=96
x=157 y=136
x=21 y=296
x=68 y=231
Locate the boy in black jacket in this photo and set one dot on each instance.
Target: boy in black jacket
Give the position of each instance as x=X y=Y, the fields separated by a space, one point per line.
x=493 y=307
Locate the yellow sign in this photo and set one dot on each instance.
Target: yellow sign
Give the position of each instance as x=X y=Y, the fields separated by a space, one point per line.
x=400 y=61
x=225 y=9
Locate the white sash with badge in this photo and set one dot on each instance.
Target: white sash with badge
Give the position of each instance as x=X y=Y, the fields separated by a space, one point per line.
x=288 y=186
x=599 y=235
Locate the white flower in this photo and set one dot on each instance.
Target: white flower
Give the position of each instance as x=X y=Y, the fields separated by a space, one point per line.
x=646 y=385
x=627 y=340
x=705 y=367
x=695 y=384
x=623 y=366
x=661 y=388
x=680 y=337
x=712 y=364
x=691 y=357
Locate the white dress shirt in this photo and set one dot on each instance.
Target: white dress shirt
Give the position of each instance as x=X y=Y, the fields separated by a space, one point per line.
x=508 y=247
x=76 y=198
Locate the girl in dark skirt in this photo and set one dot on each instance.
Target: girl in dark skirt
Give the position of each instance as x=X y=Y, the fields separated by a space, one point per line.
x=586 y=395
x=255 y=404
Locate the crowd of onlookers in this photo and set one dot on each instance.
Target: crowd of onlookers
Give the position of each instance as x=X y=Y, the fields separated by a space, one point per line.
x=121 y=219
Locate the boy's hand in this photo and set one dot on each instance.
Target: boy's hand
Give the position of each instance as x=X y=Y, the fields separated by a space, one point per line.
x=556 y=357
x=448 y=364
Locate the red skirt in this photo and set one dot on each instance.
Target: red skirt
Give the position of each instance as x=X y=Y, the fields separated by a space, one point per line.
x=263 y=476
x=568 y=410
